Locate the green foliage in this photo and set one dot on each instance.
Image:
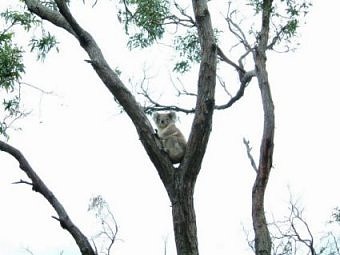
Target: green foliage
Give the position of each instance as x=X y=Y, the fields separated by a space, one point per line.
x=3 y=128
x=188 y=47
x=336 y=215
x=10 y=111
x=11 y=65
x=24 y=19
x=294 y=10
x=12 y=105
x=11 y=69
x=286 y=16
x=257 y=5
x=43 y=45
x=146 y=17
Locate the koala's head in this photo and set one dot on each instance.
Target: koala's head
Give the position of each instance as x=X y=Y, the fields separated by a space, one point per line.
x=162 y=120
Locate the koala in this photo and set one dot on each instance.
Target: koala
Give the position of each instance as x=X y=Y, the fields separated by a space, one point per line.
x=172 y=139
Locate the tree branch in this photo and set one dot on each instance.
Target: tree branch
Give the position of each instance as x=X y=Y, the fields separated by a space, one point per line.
x=205 y=104
x=309 y=242
x=244 y=77
x=224 y=58
x=39 y=186
x=115 y=86
x=236 y=29
x=187 y=21
x=46 y=13
x=252 y=161
x=23 y=182
x=277 y=37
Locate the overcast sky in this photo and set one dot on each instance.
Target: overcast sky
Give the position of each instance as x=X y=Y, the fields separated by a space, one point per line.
x=81 y=146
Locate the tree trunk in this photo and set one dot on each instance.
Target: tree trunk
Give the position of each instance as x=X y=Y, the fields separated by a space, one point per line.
x=181 y=189
x=184 y=220
x=262 y=236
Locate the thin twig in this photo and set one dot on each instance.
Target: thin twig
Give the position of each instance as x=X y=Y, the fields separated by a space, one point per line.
x=23 y=182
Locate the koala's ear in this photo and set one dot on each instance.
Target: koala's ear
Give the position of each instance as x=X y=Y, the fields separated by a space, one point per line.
x=172 y=115
x=155 y=116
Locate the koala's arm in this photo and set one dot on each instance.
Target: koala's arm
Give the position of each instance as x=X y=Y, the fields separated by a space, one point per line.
x=169 y=131
x=177 y=135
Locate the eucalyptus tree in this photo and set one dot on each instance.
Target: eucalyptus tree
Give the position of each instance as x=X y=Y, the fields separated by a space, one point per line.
x=146 y=22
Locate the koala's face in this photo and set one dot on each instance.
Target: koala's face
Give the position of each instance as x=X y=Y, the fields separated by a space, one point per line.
x=162 y=120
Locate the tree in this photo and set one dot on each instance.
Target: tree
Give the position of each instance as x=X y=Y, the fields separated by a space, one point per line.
x=152 y=17
x=294 y=235
x=109 y=228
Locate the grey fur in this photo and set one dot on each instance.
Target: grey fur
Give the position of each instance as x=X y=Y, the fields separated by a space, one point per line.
x=173 y=141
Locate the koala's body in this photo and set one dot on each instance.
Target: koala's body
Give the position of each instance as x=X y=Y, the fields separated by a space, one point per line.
x=172 y=139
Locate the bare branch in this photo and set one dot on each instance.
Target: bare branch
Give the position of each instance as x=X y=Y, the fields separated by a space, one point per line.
x=277 y=37
x=109 y=226
x=29 y=251
x=95 y=247
x=250 y=241
x=5 y=30
x=155 y=106
x=244 y=77
x=23 y=182
x=183 y=91
x=252 y=161
x=335 y=242
x=39 y=186
x=224 y=58
x=240 y=61
x=37 y=88
x=244 y=82
x=223 y=85
x=236 y=29
x=297 y=215
x=290 y=232
x=187 y=21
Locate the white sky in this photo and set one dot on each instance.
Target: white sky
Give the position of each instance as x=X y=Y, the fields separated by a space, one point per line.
x=81 y=146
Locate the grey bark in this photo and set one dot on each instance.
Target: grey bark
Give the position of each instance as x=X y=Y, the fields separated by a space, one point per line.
x=262 y=236
x=39 y=186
